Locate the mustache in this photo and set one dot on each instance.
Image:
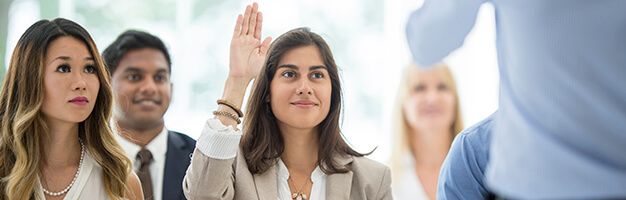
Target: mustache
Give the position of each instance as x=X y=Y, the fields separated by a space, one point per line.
x=140 y=98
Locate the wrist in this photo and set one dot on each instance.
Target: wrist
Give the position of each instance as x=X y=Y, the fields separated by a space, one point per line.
x=235 y=90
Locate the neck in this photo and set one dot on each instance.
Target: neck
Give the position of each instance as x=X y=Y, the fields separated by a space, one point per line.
x=140 y=136
x=430 y=147
x=62 y=148
x=300 y=150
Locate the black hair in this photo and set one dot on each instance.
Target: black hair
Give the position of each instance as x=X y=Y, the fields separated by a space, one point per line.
x=131 y=40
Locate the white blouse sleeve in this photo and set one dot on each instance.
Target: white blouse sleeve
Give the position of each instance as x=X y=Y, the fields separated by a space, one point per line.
x=218 y=141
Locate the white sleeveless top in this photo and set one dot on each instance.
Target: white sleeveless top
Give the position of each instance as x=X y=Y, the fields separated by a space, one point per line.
x=408 y=186
x=88 y=184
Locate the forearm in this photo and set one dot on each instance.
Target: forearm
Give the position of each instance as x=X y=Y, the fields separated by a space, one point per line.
x=440 y=27
x=210 y=174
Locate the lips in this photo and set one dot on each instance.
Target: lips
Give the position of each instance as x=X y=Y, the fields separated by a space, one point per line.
x=432 y=111
x=79 y=101
x=147 y=103
x=304 y=104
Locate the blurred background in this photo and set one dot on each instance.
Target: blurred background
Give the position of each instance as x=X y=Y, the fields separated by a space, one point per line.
x=366 y=36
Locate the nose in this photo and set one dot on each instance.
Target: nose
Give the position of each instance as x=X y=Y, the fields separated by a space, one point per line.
x=79 y=83
x=304 y=87
x=432 y=96
x=148 y=87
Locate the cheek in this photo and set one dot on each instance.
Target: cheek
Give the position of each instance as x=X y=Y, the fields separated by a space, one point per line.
x=411 y=108
x=94 y=83
x=450 y=102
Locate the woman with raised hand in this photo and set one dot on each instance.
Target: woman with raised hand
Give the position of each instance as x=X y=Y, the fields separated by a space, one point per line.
x=56 y=104
x=427 y=117
x=292 y=146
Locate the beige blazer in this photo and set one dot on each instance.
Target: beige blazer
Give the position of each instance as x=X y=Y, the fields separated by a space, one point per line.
x=209 y=178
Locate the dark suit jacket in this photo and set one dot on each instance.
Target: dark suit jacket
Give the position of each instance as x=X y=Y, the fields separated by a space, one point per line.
x=177 y=159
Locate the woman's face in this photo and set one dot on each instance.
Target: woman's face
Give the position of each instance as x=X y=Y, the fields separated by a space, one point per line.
x=431 y=103
x=70 y=81
x=301 y=89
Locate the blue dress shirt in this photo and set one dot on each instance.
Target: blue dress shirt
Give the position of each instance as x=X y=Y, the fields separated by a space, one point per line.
x=463 y=172
x=560 y=130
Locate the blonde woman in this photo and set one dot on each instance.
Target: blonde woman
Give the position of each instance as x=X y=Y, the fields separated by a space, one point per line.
x=55 y=105
x=426 y=118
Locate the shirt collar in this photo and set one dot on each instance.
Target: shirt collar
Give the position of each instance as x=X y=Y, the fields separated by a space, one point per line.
x=283 y=173
x=158 y=146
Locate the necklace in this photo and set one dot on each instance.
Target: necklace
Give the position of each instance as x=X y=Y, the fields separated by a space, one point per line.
x=80 y=164
x=299 y=195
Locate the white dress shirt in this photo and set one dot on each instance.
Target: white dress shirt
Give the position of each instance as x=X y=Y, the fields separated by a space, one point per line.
x=158 y=148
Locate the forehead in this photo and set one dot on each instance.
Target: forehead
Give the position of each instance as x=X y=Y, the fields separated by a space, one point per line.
x=66 y=46
x=425 y=76
x=303 y=57
x=144 y=59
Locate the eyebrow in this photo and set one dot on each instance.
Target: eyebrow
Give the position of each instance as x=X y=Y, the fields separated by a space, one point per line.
x=67 y=58
x=136 y=69
x=297 y=68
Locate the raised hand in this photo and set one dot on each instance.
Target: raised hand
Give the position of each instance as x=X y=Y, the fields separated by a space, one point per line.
x=247 y=52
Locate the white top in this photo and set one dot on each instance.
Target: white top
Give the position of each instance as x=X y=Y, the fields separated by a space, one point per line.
x=408 y=185
x=158 y=148
x=222 y=142
x=318 y=189
x=88 y=185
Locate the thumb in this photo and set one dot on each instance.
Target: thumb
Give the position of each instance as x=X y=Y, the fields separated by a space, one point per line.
x=265 y=46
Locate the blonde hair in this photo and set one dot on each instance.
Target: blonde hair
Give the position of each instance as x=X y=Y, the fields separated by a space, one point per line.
x=23 y=129
x=401 y=130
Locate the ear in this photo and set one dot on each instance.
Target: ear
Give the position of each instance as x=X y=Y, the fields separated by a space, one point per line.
x=267 y=98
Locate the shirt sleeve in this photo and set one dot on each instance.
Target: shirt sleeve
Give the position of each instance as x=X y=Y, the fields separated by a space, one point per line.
x=462 y=173
x=218 y=141
x=440 y=27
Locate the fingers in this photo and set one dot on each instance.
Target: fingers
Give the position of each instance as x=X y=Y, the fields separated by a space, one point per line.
x=253 y=17
x=238 y=26
x=265 y=46
x=259 y=24
x=246 y=20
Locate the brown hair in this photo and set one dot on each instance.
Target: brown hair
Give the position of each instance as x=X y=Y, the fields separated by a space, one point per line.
x=262 y=142
x=23 y=129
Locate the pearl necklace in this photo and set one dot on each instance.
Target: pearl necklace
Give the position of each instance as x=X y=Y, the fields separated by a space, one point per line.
x=80 y=164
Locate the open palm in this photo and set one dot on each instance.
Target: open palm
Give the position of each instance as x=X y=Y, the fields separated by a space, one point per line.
x=247 y=53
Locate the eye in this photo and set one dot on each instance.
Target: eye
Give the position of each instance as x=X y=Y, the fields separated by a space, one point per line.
x=133 y=77
x=64 y=68
x=419 y=88
x=317 y=75
x=289 y=74
x=90 y=69
x=442 y=87
x=159 y=78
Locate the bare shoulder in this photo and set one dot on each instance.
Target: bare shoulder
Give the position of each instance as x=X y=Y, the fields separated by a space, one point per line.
x=134 y=187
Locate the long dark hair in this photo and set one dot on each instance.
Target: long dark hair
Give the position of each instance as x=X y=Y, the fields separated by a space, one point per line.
x=262 y=142
x=23 y=128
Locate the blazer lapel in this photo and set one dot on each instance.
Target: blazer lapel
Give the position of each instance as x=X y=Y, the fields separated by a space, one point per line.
x=176 y=163
x=266 y=184
x=338 y=185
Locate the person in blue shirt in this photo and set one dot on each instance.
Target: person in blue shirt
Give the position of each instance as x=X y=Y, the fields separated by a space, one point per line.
x=462 y=174
x=559 y=131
